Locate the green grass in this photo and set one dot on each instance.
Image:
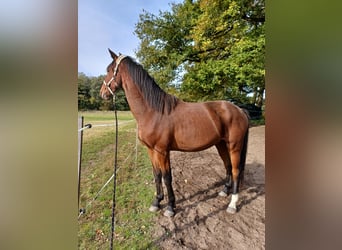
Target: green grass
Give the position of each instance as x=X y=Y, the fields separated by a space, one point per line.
x=135 y=186
x=92 y=116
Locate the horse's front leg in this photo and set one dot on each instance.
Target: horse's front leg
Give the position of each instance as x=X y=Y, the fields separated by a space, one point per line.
x=161 y=168
x=160 y=194
x=167 y=176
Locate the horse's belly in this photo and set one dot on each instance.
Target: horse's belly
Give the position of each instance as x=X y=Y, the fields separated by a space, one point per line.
x=195 y=139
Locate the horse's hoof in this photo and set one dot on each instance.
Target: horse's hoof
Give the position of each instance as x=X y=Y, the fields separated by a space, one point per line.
x=169 y=213
x=222 y=193
x=153 y=209
x=231 y=210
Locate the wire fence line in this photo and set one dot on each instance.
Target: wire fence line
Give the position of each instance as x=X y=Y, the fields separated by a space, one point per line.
x=83 y=210
x=88 y=126
x=80 y=142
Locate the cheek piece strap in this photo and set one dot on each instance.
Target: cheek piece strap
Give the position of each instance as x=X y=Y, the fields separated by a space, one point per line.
x=117 y=62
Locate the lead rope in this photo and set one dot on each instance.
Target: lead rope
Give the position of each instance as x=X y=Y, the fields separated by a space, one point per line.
x=115 y=167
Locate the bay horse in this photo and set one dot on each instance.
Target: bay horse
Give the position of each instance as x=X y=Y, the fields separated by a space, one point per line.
x=166 y=123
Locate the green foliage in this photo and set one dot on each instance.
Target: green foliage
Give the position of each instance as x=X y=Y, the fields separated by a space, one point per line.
x=83 y=91
x=89 y=95
x=215 y=48
x=199 y=50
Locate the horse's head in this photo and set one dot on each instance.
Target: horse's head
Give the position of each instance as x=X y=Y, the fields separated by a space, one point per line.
x=112 y=81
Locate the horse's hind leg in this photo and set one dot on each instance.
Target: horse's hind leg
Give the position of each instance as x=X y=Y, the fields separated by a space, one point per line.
x=235 y=151
x=238 y=153
x=223 y=152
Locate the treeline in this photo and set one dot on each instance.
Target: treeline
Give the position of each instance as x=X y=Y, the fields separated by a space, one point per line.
x=89 y=95
x=200 y=50
x=207 y=49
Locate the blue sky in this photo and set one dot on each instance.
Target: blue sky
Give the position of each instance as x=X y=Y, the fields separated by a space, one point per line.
x=106 y=24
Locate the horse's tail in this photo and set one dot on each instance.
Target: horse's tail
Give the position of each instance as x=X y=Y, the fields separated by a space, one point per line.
x=243 y=154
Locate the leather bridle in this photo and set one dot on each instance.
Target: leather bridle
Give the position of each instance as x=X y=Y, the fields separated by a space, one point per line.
x=117 y=62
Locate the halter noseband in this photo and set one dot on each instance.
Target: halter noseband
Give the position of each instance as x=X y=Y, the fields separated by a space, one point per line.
x=117 y=62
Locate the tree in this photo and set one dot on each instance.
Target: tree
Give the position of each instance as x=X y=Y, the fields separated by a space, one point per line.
x=89 y=95
x=83 y=91
x=214 y=47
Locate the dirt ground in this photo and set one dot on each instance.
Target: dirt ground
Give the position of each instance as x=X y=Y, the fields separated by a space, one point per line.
x=201 y=220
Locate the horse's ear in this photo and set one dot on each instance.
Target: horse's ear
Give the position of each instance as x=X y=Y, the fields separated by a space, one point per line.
x=112 y=54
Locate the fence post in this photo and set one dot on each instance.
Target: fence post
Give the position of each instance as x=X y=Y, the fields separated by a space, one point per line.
x=80 y=139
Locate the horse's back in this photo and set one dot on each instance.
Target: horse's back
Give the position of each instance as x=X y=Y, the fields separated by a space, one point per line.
x=197 y=126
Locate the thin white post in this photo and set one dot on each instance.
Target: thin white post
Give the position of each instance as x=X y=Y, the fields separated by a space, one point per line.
x=80 y=139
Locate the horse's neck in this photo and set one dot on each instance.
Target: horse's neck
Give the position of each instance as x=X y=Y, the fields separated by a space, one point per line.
x=137 y=104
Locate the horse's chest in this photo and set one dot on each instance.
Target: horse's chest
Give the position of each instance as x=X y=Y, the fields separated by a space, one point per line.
x=146 y=137
x=152 y=137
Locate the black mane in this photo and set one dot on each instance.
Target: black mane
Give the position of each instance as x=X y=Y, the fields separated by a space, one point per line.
x=156 y=98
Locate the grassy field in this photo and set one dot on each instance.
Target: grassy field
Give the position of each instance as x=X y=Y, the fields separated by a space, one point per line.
x=135 y=185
